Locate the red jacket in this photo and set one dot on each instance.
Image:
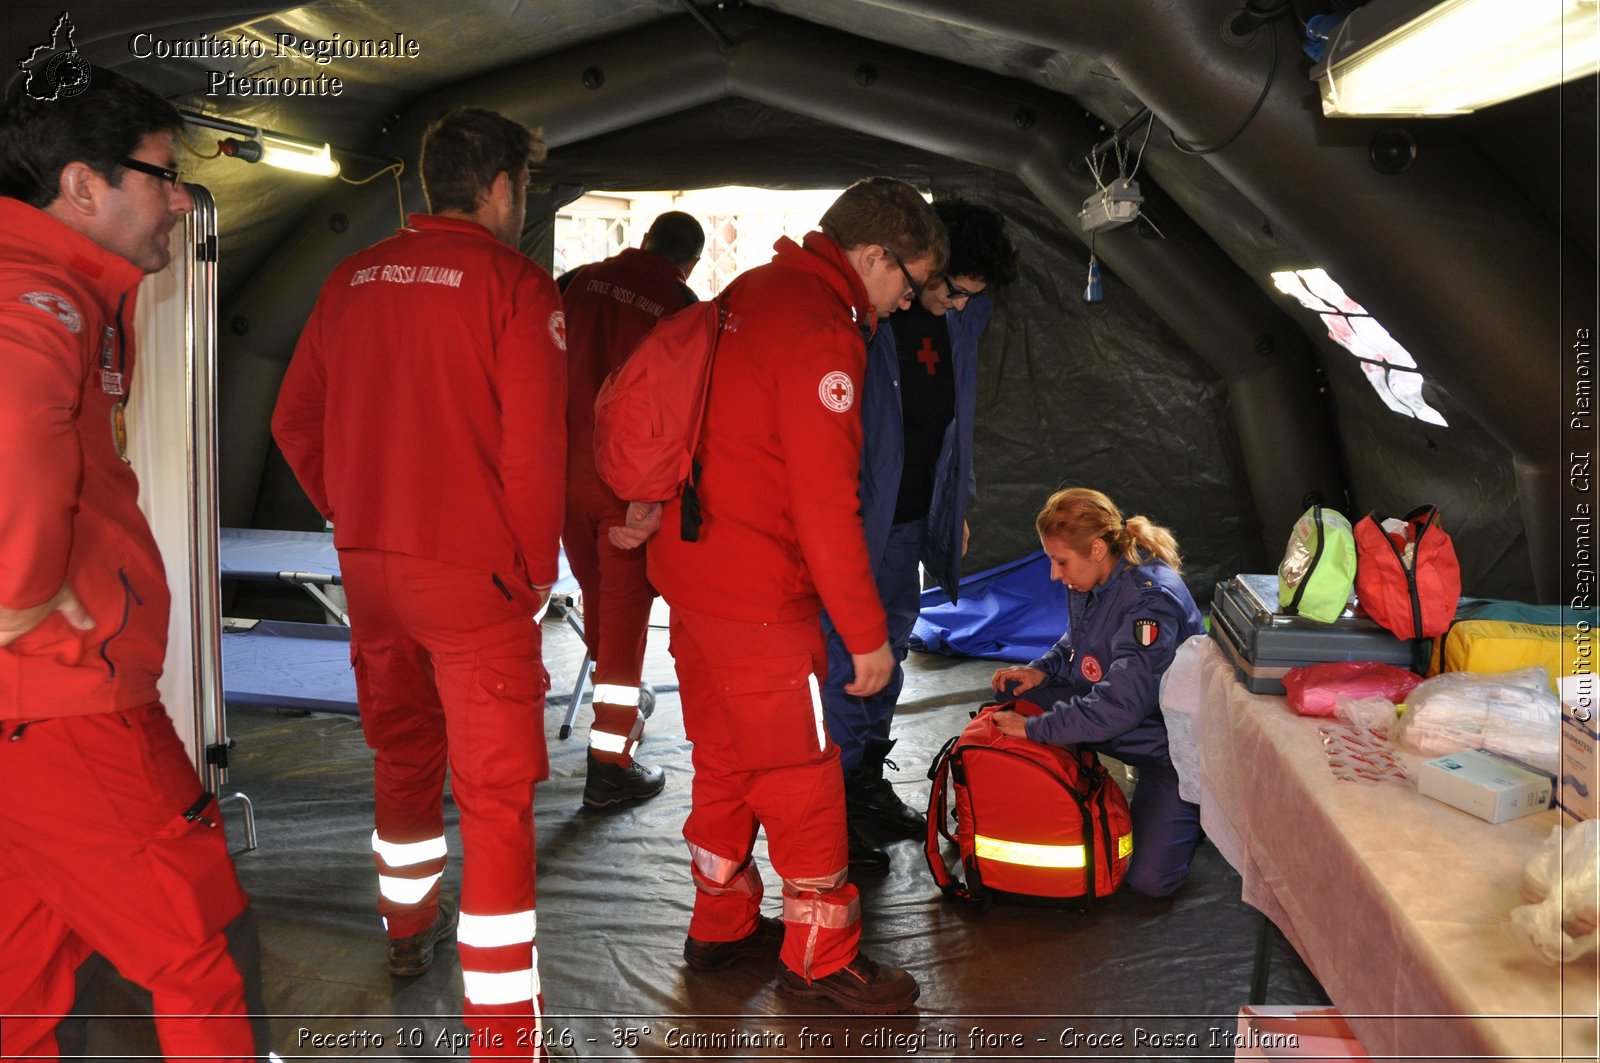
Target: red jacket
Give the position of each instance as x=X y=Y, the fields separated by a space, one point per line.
x=424 y=410
x=610 y=306
x=781 y=455
x=69 y=505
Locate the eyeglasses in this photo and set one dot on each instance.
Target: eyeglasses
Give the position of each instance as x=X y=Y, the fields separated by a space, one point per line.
x=172 y=177
x=916 y=289
x=952 y=293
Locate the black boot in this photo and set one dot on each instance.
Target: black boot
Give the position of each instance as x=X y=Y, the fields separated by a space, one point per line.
x=870 y=798
x=864 y=852
x=613 y=784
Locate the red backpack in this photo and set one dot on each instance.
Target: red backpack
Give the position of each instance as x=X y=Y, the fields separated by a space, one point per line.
x=648 y=413
x=1032 y=820
x=1410 y=581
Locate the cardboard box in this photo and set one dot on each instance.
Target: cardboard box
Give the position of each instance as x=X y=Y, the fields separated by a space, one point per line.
x=1578 y=791
x=1294 y=1032
x=1488 y=786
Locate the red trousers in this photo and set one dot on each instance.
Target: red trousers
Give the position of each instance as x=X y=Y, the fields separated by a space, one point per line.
x=448 y=668
x=763 y=759
x=97 y=855
x=616 y=616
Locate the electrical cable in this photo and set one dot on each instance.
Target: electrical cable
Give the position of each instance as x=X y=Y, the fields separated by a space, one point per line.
x=1272 y=73
x=1145 y=143
x=398 y=168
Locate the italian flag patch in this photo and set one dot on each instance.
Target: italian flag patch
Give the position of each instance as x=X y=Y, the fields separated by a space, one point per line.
x=1146 y=631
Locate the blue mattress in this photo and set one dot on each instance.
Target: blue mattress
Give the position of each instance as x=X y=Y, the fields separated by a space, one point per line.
x=287 y=665
x=309 y=557
x=250 y=553
x=283 y=665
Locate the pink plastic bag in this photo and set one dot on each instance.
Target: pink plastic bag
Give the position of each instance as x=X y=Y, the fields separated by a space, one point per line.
x=1315 y=690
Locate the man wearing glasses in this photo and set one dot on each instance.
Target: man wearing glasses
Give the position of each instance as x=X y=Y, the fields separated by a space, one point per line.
x=781 y=540
x=917 y=413
x=108 y=842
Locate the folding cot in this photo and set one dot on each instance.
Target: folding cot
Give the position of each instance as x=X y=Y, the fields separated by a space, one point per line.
x=282 y=664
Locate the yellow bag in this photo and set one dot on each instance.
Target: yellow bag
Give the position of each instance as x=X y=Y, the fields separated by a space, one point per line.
x=1493 y=646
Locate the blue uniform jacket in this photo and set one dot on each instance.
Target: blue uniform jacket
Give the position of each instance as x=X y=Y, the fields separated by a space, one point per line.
x=1120 y=640
x=883 y=446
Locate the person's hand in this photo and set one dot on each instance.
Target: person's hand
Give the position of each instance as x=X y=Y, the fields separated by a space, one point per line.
x=642 y=521
x=1016 y=680
x=1010 y=723
x=541 y=602
x=966 y=537
x=15 y=623
x=872 y=671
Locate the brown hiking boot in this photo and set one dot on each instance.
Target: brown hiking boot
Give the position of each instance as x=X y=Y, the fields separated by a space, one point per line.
x=764 y=942
x=861 y=986
x=409 y=957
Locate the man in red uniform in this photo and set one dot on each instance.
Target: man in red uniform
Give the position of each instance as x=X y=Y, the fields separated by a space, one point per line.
x=782 y=538
x=107 y=841
x=423 y=415
x=610 y=306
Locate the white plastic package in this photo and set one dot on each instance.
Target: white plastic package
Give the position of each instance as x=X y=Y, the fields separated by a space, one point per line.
x=1513 y=713
x=1563 y=879
x=1376 y=714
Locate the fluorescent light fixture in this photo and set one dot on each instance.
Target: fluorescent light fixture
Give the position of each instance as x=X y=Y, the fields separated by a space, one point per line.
x=299 y=156
x=1405 y=58
x=274 y=149
x=285 y=154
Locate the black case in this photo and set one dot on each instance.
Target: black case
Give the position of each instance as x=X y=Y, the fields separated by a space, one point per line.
x=1263 y=644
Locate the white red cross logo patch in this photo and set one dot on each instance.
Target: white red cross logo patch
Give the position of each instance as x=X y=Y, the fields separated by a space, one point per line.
x=838 y=391
x=558 y=329
x=57 y=307
x=1092 y=670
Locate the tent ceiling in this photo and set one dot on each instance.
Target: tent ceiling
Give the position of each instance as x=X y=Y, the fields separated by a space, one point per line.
x=1529 y=146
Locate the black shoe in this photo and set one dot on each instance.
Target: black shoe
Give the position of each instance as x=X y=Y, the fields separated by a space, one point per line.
x=612 y=784
x=764 y=942
x=870 y=798
x=864 y=853
x=409 y=957
x=861 y=986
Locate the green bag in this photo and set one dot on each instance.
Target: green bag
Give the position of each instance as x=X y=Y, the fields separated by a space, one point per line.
x=1319 y=567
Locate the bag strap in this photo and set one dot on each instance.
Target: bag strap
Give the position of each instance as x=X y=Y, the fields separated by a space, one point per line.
x=705 y=386
x=689 y=515
x=938 y=816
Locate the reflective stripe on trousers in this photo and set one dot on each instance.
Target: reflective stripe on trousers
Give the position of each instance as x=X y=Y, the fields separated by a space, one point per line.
x=410 y=887
x=806 y=904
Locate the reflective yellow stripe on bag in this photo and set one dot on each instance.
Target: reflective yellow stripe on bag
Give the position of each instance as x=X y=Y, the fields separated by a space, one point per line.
x=1028 y=854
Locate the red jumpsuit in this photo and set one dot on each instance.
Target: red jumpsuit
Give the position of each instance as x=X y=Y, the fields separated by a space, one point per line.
x=107 y=841
x=423 y=414
x=610 y=306
x=782 y=539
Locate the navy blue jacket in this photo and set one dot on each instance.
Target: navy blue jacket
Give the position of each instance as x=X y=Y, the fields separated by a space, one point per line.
x=883 y=446
x=1107 y=668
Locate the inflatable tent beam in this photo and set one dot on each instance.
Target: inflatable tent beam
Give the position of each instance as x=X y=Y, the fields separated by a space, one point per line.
x=1225 y=317
x=1484 y=314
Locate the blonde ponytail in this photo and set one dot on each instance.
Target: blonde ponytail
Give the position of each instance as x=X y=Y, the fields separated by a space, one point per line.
x=1079 y=515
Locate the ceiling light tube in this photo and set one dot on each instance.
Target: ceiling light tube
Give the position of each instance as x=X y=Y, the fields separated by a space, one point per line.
x=296 y=155
x=1401 y=58
x=274 y=149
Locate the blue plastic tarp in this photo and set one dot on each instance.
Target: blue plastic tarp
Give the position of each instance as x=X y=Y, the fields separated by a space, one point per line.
x=1010 y=613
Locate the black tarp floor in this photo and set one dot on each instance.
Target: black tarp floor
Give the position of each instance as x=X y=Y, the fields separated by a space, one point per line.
x=614 y=896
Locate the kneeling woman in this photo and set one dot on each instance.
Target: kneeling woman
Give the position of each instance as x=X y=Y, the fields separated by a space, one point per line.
x=1127 y=612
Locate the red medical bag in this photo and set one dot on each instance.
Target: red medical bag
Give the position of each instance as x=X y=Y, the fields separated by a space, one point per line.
x=1031 y=820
